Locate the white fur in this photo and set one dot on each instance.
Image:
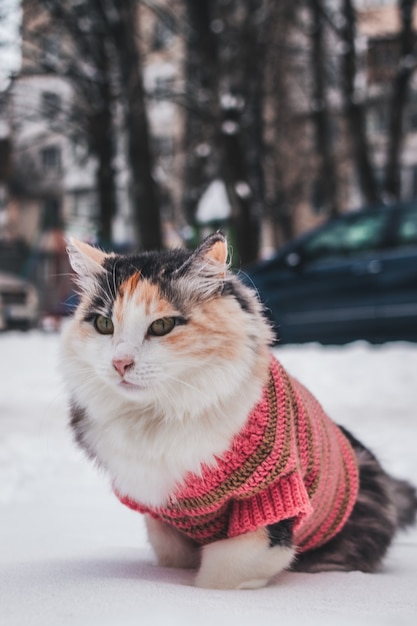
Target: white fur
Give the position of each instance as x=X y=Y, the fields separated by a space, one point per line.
x=243 y=562
x=172 y=411
x=172 y=548
x=86 y=266
x=182 y=413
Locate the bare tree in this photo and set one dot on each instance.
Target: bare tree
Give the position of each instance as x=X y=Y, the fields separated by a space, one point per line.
x=400 y=88
x=85 y=63
x=123 y=20
x=226 y=53
x=103 y=65
x=327 y=172
x=201 y=105
x=354 y=104
x=244 y=43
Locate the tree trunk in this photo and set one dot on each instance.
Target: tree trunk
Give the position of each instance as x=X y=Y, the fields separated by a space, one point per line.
x=246 y=224
x=406 y=66
x=94 y=94
x=100 y=130
x=101 y=141
x=286 y=165
x=327 y=175
x=242 y=59
x=354 y=109
x=254 y=41
x=223 y=138
x=145 y=198
x=202 y=158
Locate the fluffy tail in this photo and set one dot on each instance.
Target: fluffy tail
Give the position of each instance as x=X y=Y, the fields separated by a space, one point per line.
x=404 y=497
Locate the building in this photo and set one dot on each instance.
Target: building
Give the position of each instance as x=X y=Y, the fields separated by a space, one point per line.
x=52 y=174
x=379 y=26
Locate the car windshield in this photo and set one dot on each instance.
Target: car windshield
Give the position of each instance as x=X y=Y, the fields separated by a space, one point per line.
x=361 y=234
x=407 y=230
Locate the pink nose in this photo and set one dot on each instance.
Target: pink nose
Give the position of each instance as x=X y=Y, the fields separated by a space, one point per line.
x=123 y=364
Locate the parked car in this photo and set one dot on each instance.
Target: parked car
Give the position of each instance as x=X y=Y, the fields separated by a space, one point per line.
x=19 y=303
x=353 y=278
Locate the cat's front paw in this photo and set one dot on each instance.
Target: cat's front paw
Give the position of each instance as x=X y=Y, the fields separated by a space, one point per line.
x=243 y=562
x=172 y=549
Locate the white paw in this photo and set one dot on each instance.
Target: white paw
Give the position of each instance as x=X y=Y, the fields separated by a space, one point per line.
x=244 y=562
x=172 y=549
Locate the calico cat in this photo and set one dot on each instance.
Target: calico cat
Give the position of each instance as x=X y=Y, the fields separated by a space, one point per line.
x=235 y=465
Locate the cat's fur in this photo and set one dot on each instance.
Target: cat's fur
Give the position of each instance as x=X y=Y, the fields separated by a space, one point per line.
x=150 y=409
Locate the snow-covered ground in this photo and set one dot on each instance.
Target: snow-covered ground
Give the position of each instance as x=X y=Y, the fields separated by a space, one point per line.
x=71 y=554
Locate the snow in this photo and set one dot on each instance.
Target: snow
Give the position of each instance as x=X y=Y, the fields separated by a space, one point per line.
x=214 y=204
x=72 y=555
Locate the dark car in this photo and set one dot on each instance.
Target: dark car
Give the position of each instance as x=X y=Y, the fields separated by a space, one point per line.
x=353 y=278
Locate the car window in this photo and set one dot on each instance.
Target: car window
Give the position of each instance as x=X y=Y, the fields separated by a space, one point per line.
x=364 y=233
x=407 y=229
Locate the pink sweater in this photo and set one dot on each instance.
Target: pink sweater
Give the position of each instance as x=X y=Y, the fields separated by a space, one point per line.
x=289 y=461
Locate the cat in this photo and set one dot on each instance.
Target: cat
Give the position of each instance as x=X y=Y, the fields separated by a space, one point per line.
x=174 y=391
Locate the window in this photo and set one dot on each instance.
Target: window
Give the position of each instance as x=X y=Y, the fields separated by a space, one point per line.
x=163 y=33
x=84 y=204
x=50 y=105
x=50 y=50
x=51 y=214
x=414 y=181
x=383 y=56
x=51 y=160
x=3 y=206
x=164 y=146
x=363 y=234
x=377 y=119
x=412 y=115
x=317 y=196
x=162 y=88
x=80 y=150
x=407 y=231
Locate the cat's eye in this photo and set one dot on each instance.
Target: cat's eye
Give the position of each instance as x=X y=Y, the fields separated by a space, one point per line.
x=162 y=326
x=103 y=325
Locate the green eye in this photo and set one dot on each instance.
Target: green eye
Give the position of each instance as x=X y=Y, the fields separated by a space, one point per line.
x=162 y=327
x=103 y=325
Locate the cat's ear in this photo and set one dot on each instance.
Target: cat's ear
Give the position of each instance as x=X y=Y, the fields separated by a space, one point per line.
x=214 y=250
x=209 y=260
x=84 y=259
x=206 y=269
x=87 y=263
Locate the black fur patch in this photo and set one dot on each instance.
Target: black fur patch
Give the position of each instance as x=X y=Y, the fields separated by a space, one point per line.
x=153 y=266
x=78 y=423
x=159 y=268
x=367 y=534
x=230 y=288
x=280 y=534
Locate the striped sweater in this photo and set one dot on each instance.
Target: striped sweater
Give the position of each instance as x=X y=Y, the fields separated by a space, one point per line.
x=290 y=461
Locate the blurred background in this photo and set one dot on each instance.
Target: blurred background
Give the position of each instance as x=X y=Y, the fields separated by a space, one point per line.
x=150 y=123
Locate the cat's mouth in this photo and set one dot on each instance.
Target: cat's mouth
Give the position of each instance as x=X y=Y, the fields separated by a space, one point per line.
x=125 y=384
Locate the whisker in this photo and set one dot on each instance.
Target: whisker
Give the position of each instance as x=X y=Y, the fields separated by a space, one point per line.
x=205 y=395
x=250 y=280
x=179 y=380
x=114 y=277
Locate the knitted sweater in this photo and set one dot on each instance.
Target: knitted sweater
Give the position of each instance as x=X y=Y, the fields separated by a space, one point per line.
x=290 y=461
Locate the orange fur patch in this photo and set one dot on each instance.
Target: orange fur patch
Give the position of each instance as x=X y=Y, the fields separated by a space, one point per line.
x=148 y=295
x=218 y=252
x=118 y=308
x=209 y=332
x=145 y=294
x=129 y=286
